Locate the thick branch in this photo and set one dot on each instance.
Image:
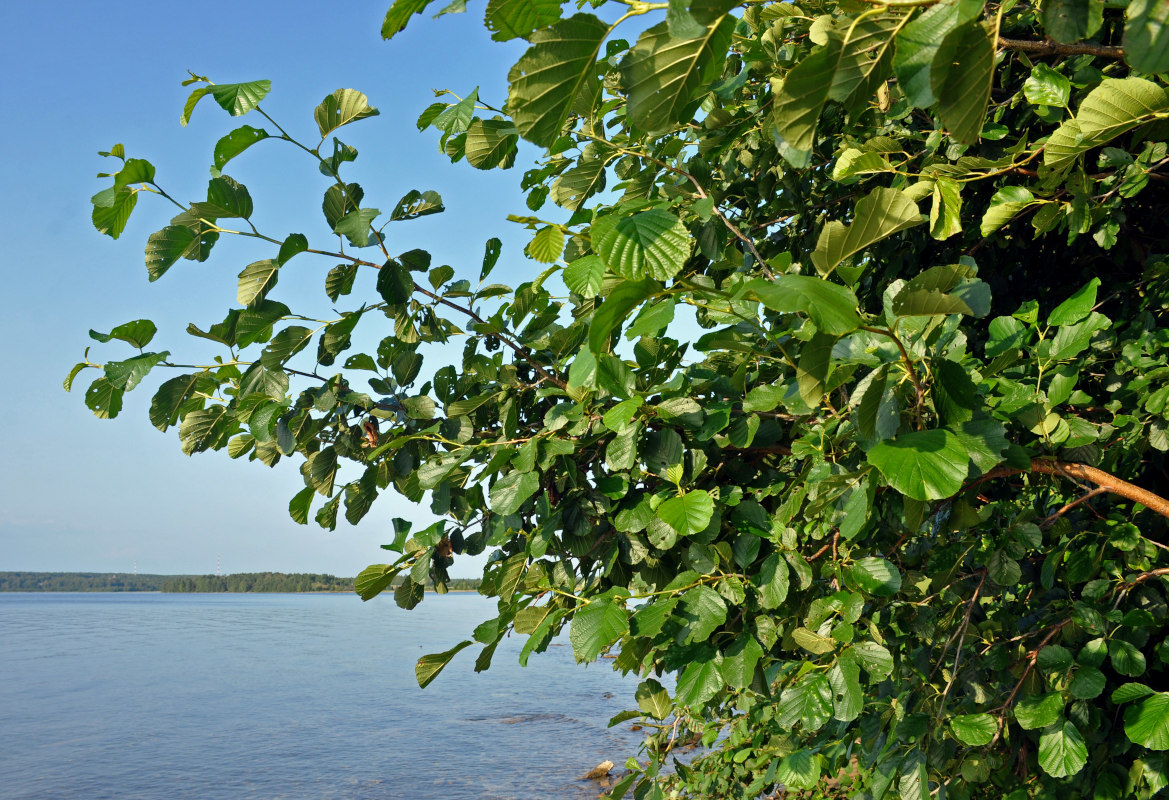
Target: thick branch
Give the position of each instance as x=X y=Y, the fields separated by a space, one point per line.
x=1082 y=472
x=1050 y=48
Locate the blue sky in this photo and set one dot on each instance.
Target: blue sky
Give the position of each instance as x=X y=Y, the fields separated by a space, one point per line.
x=78 y=493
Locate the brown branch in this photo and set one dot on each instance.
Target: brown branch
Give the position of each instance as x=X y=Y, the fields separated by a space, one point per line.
x=1082 y=472
x=1049 y=520
x=1050 y=48
x=1031 y=657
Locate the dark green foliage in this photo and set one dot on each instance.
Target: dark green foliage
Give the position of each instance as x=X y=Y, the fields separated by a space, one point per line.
x=894 y=514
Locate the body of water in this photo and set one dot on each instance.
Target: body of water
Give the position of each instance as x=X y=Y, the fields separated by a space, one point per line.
x=289 y=696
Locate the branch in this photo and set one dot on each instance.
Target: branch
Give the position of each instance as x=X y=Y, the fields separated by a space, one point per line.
x=1034 y=654
x=1049 y=520
x=908 y=366
x=1082 y=472
x=519 y=349
x=1050 y=48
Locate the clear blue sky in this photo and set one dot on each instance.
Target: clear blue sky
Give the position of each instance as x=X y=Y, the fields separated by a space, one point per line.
x=78 y=493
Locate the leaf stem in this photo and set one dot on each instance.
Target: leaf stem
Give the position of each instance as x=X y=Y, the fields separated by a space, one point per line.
x=908 y=366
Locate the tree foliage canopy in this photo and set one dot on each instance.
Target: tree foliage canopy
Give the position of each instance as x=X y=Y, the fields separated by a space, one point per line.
x=837 y=391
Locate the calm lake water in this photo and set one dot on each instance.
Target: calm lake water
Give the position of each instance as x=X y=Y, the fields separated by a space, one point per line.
x=289 y=696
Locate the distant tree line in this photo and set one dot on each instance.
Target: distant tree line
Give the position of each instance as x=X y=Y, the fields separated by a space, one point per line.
x=241 y=582
x=81 y=582
x=259 y=582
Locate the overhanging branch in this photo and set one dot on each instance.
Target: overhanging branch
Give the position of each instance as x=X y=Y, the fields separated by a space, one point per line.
x=1050 y=48
x=1082 y=472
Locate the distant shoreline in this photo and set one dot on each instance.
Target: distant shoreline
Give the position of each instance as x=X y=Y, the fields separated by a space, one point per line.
x=237 y=583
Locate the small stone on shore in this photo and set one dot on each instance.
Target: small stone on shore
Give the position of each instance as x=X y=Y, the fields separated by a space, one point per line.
x=599 y=772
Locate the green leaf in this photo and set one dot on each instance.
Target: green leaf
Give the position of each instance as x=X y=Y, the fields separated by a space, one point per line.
x=653 y=699
x=1006 y=203
x=165 y=247
x=1062 y=751
x=651 y=320
x=704 y=611
x=1111 y=109
x=875 y=576
x=653 y=244
x=847 y=696
x=226 y=197
x=621 y=300
x=877 y=215
x=547 y=245
x=256 y=280
x=974 y=730
x=687 y=514
x=284 y=345
x=491 y=143
x=1069 y=21
x=518 y=19
x=830 y=306
x=556 y=70
x=415 y=204
x=772 y=581
x=137 y=333
x=372 y=580
x=796 y=110
x=1146 y=36
x=111 y=210
x=865 y=59
x=923 y=465
x=125 y=375
x=1046 y=87
x=354 y=226
x=812 y=369
x=236 y=142
x=1127 y=692
x=239 y=98
x=918 y=43
x=584 y=276
x=699 y=682
x=800 y=770
x=298 y=508
x=962 y=84
x=1076 y=307
x=340 y=108
x=409 y=594
x=579 y=183
x=103 y=399
x=946 y=210
x=295 y=244
x=170 y=398
x=955 y=394
x=399 y=15
x=1088 y=683
x=429 y=666
x=807 y=703
x=928 y=302
x=509 y=492
x=1039 y=710
x=874 y=658
x=596 y=626
x=1126 y=658
x=1147 y=722
x=662 y=75
x=739 y=660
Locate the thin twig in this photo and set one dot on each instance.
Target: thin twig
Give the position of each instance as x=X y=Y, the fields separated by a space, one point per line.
x=961 y=640
x=1031 y=657
x=1049 y=520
